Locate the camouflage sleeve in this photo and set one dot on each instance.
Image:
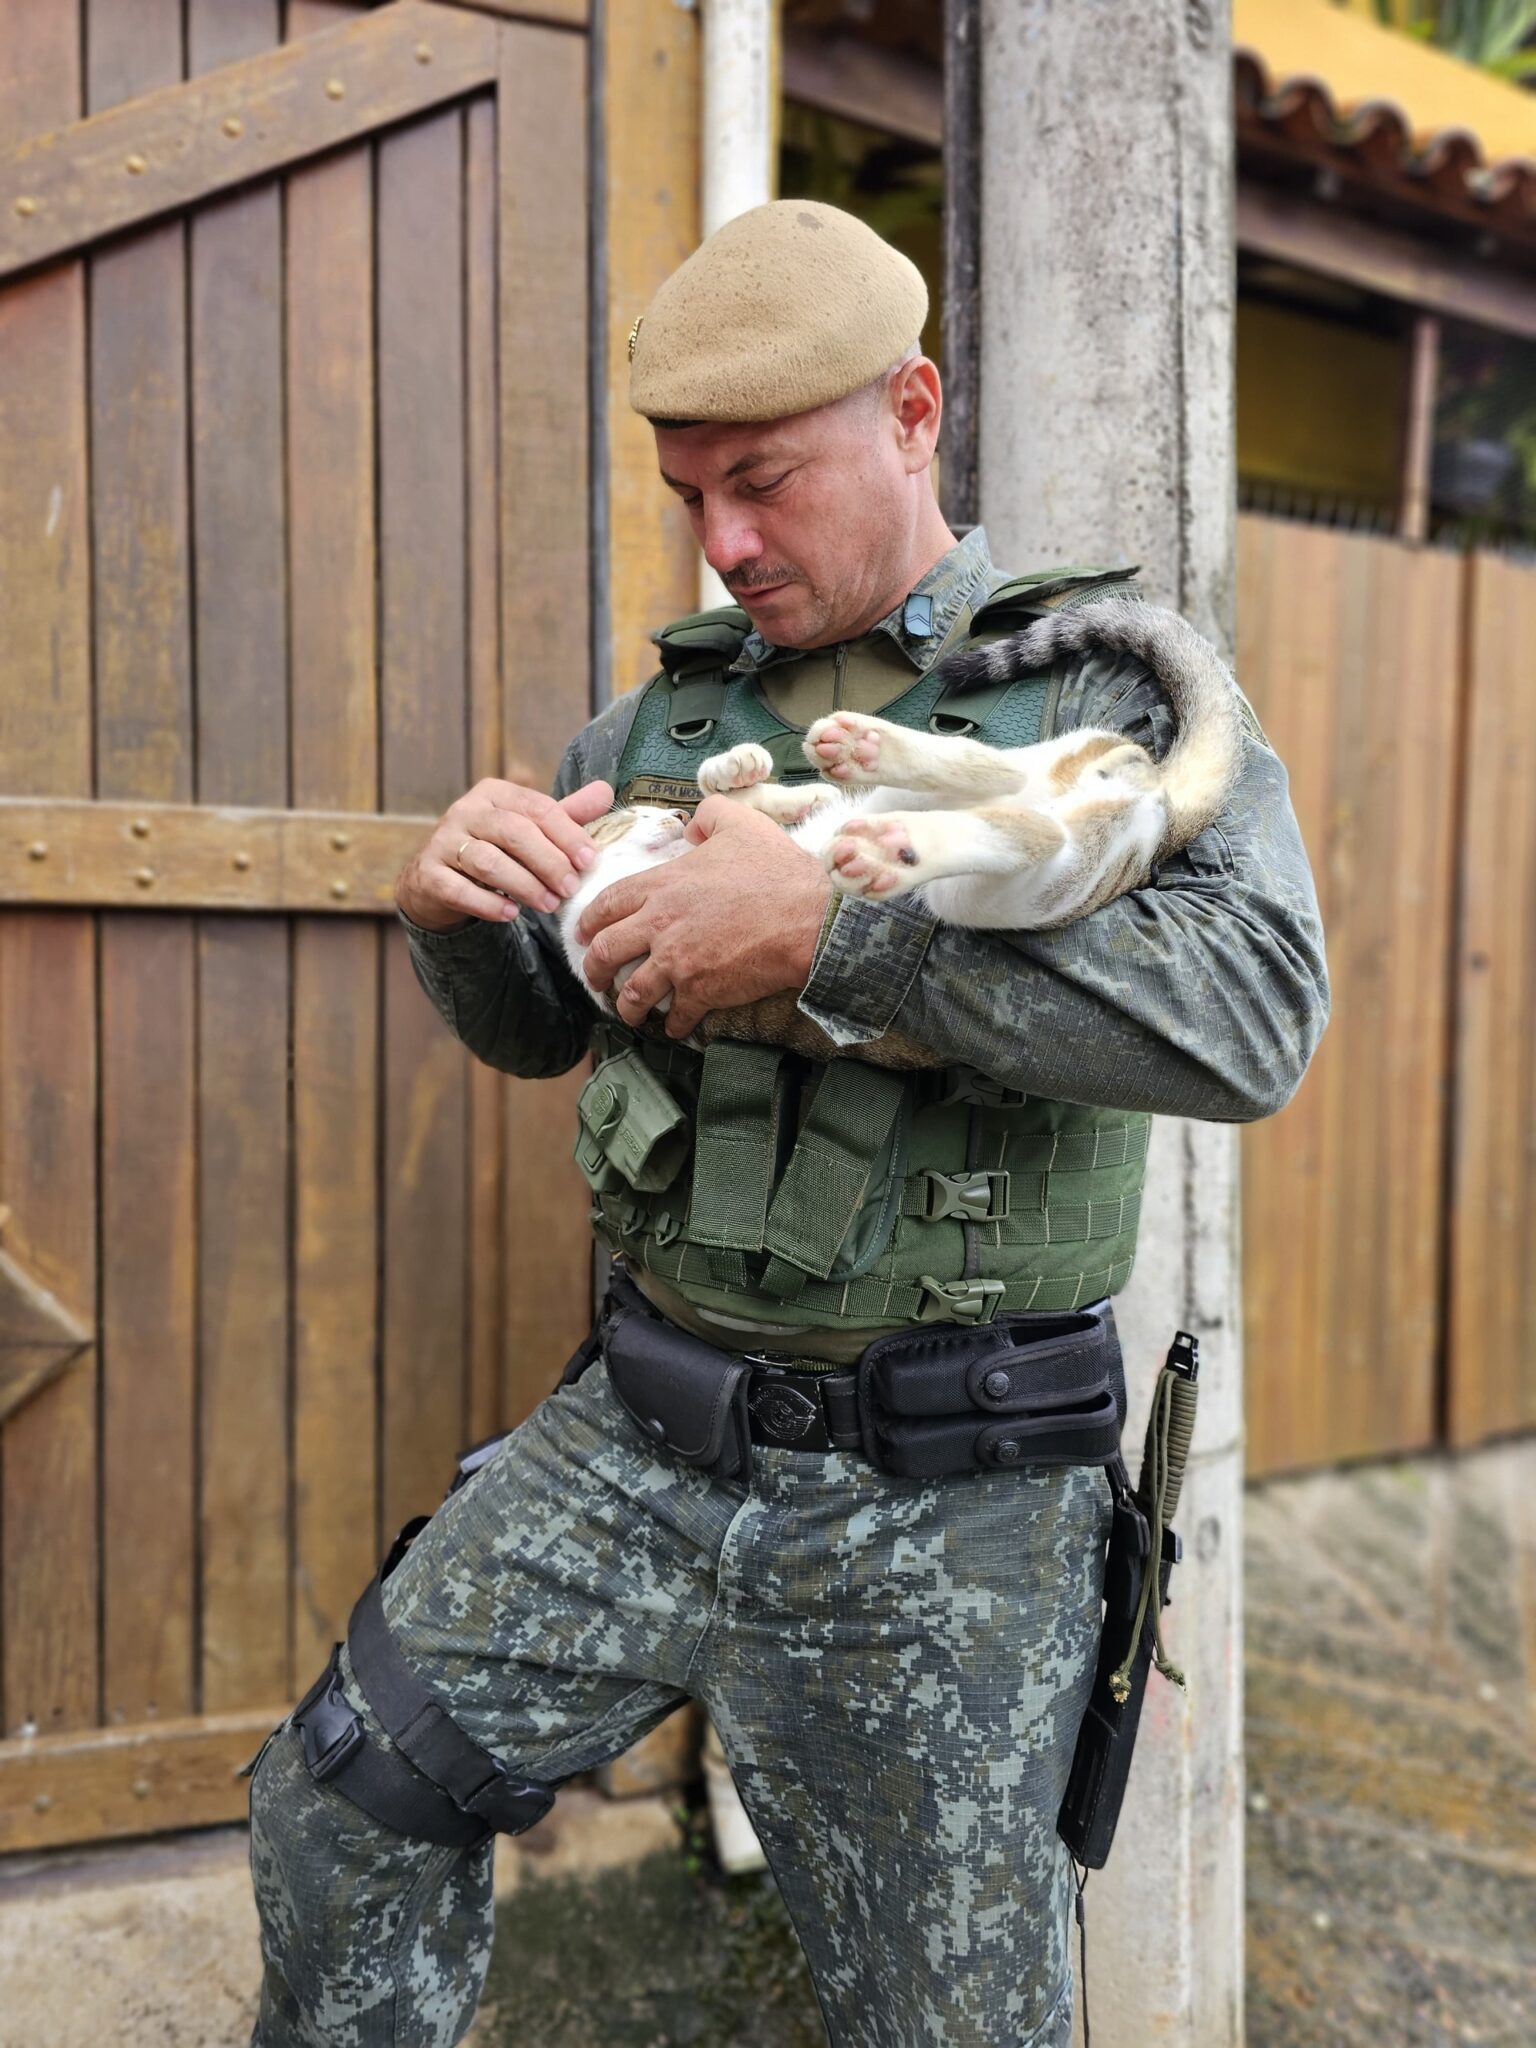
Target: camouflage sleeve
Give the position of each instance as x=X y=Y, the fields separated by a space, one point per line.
x=1202 y=994
x=506 y=990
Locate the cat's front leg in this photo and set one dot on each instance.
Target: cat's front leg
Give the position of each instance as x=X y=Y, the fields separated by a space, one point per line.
x=887 y=853
x=744 y=773
x=737 y=770
x=862 y=752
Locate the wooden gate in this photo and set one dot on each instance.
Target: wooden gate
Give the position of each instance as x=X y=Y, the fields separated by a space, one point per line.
x=293 y=375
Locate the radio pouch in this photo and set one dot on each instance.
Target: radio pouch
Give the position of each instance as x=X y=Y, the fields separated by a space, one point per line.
x=682 y=1393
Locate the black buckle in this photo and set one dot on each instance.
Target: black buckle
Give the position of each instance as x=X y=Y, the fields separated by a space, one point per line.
x=331 y=1727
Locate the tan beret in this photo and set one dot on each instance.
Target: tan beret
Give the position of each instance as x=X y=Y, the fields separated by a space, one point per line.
x=786 y=307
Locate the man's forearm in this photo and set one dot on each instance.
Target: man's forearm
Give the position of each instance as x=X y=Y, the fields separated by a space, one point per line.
x=506 y=992
x=1203 y=996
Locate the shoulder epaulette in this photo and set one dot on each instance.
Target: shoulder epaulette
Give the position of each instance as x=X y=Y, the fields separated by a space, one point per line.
x=1048 y=590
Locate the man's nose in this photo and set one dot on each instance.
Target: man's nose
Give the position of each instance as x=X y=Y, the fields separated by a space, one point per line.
x=729 y=540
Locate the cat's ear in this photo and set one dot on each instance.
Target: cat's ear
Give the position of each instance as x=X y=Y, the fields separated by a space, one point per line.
x=613 y=825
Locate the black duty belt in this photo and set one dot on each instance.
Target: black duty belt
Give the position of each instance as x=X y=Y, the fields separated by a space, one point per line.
x=1023 y=1390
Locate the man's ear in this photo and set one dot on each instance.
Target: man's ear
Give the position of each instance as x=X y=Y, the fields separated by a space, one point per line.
x=917 y=401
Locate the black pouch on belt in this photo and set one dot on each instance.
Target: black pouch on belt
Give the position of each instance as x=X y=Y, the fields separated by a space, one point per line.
x=1021 y=1390
x=682 y=1393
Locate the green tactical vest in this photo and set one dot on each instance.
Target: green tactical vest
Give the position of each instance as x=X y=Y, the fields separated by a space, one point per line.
x=763 y=1184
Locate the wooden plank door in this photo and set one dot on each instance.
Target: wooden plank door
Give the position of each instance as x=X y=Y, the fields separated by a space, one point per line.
x=293 y=546
x=1350 y=649
x=1491 y=1349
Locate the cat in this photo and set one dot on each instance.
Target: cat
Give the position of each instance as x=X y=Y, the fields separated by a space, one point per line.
x=1002 y=839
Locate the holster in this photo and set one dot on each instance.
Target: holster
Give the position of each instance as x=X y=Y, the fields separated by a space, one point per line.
x=1106 y=1741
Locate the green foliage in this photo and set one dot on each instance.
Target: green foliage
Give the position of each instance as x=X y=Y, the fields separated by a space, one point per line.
x=1491 y=33
x=1487 y=396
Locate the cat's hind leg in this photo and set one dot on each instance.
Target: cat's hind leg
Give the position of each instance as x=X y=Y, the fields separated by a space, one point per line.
x=886 y=853
x=858 y=751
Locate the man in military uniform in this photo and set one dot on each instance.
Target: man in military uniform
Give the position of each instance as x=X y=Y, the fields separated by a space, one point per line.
x=895 y=1650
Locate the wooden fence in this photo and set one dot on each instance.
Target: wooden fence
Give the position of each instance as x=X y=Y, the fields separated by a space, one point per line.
x=1390 y=1211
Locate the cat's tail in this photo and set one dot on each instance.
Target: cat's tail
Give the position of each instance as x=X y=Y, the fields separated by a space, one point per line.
x=1200 y=767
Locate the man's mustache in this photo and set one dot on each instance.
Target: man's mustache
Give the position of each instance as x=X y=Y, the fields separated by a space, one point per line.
x=759 y=579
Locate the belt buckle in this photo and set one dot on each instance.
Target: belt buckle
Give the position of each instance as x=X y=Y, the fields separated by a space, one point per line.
x=784 y=1412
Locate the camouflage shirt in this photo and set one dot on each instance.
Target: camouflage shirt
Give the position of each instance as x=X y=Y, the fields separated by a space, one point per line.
x=1202 y=994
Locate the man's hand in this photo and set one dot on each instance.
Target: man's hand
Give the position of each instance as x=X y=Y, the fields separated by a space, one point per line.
x=501 y=837
x=734 y=920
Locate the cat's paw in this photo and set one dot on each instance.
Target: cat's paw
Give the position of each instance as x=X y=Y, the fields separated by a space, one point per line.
x=742 y=767
x=846 y=747
x=874 y=857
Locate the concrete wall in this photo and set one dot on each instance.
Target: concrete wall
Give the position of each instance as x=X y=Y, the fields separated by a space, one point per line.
x=1106 y=435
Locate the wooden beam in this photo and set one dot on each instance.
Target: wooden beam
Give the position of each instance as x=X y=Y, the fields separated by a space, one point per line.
x=38 y=1337
x=139 y=1780
x=151 y=856
x=176 y=146
x=857 y=81
x=1314 y=236
x=25 y=1369
x=553 y=13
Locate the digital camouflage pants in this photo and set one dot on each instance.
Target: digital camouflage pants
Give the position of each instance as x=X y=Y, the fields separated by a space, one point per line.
x=896 y=1668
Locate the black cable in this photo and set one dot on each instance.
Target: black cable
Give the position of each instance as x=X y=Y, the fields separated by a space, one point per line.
x=1082 y=1937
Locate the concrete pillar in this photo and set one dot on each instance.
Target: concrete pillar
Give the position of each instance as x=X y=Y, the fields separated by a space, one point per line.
x=740 y=113
x=739 y=136
x=1105 y=435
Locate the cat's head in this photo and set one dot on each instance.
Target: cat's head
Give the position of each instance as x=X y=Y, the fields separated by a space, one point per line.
x=647 y=828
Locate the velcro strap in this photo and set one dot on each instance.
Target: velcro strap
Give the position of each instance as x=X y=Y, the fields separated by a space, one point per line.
x=424 y=1732
x=736 y=1139
x=386 y=1787
x=846 y=1131
x=694 y=707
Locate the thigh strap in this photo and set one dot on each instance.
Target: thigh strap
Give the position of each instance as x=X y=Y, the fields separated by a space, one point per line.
x=437 y=1783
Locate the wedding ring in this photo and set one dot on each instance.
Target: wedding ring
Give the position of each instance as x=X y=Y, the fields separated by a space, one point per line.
x=459 y=856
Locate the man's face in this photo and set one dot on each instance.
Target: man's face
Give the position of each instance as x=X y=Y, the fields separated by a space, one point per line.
x=806 y=519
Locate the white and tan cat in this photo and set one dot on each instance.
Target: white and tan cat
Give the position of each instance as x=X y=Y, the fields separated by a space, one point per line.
x=1005 y=839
